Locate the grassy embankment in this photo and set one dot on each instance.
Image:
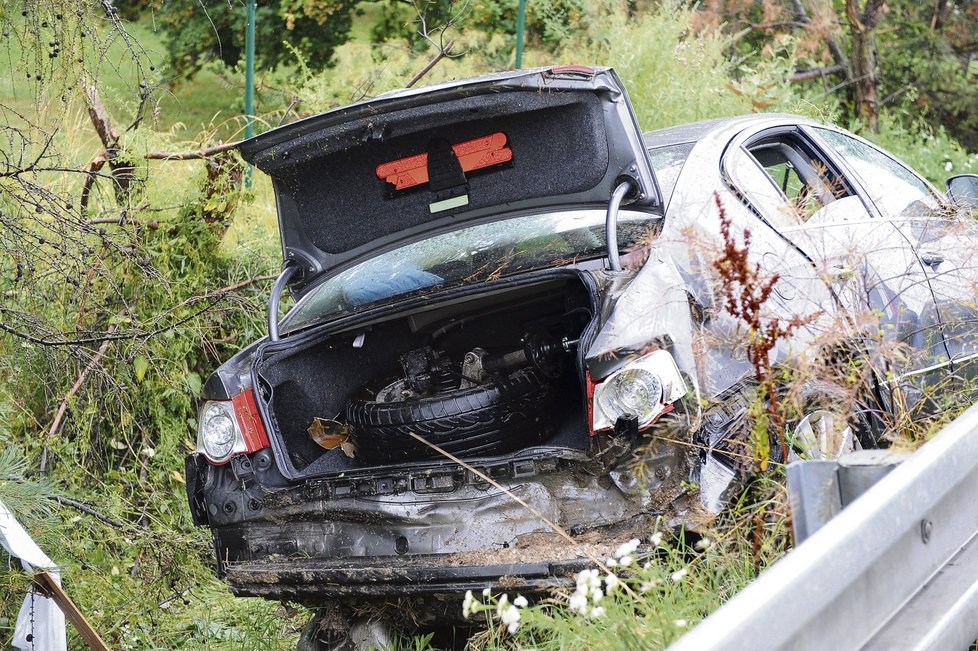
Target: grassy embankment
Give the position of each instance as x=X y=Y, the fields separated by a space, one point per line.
x=149 y=584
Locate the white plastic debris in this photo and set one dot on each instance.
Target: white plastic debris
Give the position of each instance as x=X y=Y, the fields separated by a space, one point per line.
x=40 y=623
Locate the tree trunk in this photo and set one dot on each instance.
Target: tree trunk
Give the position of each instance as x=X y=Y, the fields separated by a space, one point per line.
x=940 y=15
x=123 y=174
x=862 y=23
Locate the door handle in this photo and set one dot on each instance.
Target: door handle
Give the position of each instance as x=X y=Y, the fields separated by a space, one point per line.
x=931 y=258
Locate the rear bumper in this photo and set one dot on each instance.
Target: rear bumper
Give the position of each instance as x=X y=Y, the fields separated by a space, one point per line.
x=314 y=581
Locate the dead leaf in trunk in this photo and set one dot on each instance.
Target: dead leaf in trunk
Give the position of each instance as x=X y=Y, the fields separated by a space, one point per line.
x=330 y=434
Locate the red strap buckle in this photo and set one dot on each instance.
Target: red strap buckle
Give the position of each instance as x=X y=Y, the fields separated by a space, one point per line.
x=473 y=154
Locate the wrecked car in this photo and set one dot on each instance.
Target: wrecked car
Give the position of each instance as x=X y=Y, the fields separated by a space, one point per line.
x=504 y=289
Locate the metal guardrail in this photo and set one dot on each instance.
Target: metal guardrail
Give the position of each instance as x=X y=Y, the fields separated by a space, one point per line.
x=896 y=569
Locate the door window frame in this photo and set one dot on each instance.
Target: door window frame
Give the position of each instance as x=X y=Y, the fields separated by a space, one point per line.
x=811 y=131
x=746 y=139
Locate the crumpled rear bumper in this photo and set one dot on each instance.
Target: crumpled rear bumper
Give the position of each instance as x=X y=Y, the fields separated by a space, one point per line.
x=312 y=581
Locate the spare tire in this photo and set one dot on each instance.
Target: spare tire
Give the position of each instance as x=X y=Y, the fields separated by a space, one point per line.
x=505 y=415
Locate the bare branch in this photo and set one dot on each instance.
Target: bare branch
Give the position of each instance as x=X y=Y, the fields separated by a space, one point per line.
x=198 y=154
x=63 y=407
x=442 y=53
x=84 y=508
x=818 y=73
x=122 y=173
x=802 y=15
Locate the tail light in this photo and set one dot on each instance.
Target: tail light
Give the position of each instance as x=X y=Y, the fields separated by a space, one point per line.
x=229 y=427
x=643 y=389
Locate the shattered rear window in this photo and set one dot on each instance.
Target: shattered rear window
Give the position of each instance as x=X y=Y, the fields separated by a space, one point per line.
x=667 y=162
x=473 y=254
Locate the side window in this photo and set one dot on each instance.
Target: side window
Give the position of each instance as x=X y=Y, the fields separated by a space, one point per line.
x=807 y=182
x=895 y=189
x=756 y=187
x=783 y=176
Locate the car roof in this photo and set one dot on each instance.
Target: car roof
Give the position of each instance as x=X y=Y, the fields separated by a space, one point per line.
x=696 y=131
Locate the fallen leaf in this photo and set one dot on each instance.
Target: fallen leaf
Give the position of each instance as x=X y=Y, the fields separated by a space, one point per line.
x=329 y=434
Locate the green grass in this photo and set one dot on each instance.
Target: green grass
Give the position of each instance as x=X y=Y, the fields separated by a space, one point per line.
x=211 y=102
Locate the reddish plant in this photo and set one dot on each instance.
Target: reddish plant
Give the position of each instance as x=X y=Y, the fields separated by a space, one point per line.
x=745 y=288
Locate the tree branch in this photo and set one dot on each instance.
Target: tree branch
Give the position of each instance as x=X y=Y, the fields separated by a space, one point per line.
x=84 y=508
x=805 y=75
x=442 y=53
x=63 y=407
x=837 y=54
x=122 y=173
x=192 y=155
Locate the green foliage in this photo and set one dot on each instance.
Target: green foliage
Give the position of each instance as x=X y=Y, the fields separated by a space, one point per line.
x=24 y=495
x=673 y=73
x=112 y=316
x=925 y=66
x=213 y=30
x=930 y=151
x=550 y=24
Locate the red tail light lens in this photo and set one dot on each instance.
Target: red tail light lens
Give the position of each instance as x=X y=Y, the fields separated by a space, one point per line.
x=249 y=420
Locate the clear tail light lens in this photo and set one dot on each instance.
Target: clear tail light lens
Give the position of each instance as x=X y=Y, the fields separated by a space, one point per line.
x=642 y=389
x=229 y=427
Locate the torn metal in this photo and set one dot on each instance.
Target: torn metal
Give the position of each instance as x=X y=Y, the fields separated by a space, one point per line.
x=40 y=623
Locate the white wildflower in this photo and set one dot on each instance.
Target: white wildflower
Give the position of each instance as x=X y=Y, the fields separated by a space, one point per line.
x=594 y=579
x=948 y=166
x=648 y=586
x=486 y=592
x=502 y=604
x=647 y=566
x=578 y=602
x=625 y=560
x=467 y=604
x=581 y=578
x=611 y=581
x=511 y=618
x=678 y=575
x=703 y=544
x=611 y=562
x=512 y=628
x=596 y=595
x=626 y=549
x=587 y=579
x=520 y=601
x=656 y=539
x=680 y=623
x=597 y=611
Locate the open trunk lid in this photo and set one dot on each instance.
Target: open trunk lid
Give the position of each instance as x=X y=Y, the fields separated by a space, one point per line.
x=378 y=174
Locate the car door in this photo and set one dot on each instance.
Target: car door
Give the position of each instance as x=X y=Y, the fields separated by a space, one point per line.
x=866 y=262
x=945 y=242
